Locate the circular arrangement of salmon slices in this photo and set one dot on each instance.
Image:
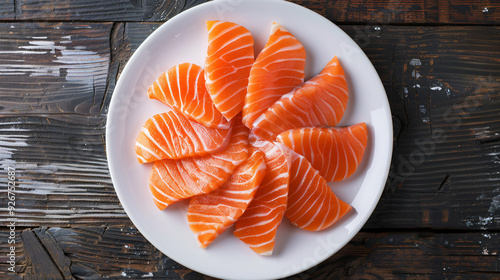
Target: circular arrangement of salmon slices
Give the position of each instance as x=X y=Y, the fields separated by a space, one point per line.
x=248 y=142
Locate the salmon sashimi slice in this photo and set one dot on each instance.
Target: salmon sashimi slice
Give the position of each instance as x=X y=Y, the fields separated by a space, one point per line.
x=183 y=88
x=170 y=135
x=230 y=56
x=321 y=101
x=258 y=225
x=174 y=180
x=335 y=152
x=277 y=70
x=312 y=205
x=209 y=215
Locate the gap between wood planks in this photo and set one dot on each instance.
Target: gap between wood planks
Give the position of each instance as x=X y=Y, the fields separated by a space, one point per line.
x=374 y=23
x=382 y=253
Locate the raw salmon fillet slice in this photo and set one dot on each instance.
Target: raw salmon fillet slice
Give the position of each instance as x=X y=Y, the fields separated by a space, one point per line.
x=312 y=205
x=257 y=226
x=230 y=56
x=321 y=101
x=183 y=88
x=277 y=70
x=209 y=215
x=170 y=135
x=174 y=180
x=335 y=152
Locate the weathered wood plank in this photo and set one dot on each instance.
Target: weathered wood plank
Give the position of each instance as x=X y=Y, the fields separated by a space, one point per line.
x=467 y=11
x=343 y=11
x=384 y=12
x=125 y=39
x=43 y=266
x=7 y=11
x=422 y=255
x=470 y=12
x=6 y=252
x=443 y=84
x=54 y=250
x=61 y=171
x=122 y=253
x=94 y=10
x=53 y=67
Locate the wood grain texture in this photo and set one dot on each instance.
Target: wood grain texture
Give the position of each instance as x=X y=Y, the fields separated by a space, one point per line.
x=61 y=171
x=95 y=10
x=42 y=264
x=342 y=11
x=122 y=253
x=125 y=39
x=7 y=11
x=469 y=12
x=383 y=12
x=53 y=68
x=443 y=84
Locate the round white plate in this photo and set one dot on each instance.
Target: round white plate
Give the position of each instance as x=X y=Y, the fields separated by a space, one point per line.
x=184 y=39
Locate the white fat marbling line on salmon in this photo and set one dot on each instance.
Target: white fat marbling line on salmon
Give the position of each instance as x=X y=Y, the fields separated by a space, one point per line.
x=224 y=31
x=185 y=138
x=282 y=60
x=233 y=71
x=310 y=196
x=321 y=197
x=264 y=233
x=180 y=184
x=173 y=88
x=179 y=97
x=164 y=194
x=283 y=38
x=326 y=90
x=159 y=201
x=157 y=126
x=232 y=40
x=306 y=203
x=267 y=208
x=337 y=202
x=211 y=214
x=226 y=68
x=321 y=157
x=150 y=138
x=146 y=150
x=236 y=58
x=290 y=55
x=222 y=90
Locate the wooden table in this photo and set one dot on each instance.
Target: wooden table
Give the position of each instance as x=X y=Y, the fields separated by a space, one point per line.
x=439 y=216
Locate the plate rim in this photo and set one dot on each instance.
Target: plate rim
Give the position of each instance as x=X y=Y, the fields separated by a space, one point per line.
x=156 y=33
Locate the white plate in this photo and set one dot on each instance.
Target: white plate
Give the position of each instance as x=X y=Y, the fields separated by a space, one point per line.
x=184 y=39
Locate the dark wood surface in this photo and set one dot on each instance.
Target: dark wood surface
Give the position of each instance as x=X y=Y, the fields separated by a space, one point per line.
x=439 y=216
